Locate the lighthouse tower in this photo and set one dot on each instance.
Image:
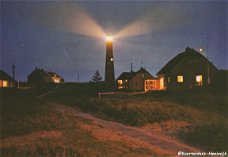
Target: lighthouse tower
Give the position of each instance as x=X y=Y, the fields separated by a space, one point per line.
x=109 y=64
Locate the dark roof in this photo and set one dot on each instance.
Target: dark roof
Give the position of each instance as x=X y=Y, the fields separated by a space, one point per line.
x=4 y=75
x=53 y=74
x=146 y=73
x=130 y=75
x=126 y=76
x=44 y=73
x=40 y=72
x=177 y=59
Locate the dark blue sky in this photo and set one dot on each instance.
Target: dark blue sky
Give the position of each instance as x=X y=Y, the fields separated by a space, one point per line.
x=66 y=37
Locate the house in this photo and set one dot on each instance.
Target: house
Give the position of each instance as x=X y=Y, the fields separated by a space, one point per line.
x=6 y=81
x=187 y=70
x=40 y=76
x=141 y=80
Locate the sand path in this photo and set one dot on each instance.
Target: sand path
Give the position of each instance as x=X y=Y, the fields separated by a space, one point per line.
x=161 y=144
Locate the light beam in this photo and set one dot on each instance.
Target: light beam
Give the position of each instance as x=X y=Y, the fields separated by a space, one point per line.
x=154 y=19
x=71 y=18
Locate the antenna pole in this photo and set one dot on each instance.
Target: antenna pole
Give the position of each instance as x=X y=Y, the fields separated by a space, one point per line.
x=131 y=67
x=78 y=78
x=13 y=76
x=18 y=84
x=208 y=69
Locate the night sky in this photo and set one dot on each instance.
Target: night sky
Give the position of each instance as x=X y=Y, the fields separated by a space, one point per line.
x=68 y=37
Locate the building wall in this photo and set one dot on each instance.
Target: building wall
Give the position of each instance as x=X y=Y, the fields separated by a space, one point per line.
x=137 y=82
x=140 y=82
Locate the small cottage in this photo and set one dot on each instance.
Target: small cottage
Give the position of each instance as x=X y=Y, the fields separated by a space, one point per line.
x=187 y=70
x=141 y=80
x=40 y=76
x=6 y=81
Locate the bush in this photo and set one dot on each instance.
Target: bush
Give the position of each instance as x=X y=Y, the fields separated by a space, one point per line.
x=211 y=137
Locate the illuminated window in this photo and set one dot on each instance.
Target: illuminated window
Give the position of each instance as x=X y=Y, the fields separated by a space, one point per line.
x=111 y=59
x=180 y=78
x=120 y=84
x=5 y=84
x=162 y=84
x=57 y=80
x=150 y=85
x=199 y=80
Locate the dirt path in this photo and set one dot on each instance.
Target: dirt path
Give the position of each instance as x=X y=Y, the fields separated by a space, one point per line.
x=161 y=144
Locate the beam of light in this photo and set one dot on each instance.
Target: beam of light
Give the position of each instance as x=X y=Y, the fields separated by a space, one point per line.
x=154 y=19
x=83 y=24
x=73 y=19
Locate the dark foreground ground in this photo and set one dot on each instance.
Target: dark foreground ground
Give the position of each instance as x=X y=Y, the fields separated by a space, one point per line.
x=197 y=118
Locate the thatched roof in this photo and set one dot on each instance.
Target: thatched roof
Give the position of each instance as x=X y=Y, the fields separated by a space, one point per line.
x=177 y=59
x=44 y=73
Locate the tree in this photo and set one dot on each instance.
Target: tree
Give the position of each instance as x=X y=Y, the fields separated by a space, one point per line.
x=97 y=77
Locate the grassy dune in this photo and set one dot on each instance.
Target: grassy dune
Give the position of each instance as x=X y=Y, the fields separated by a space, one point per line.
x=30 y=127
x=205 y=111
x=25 y=117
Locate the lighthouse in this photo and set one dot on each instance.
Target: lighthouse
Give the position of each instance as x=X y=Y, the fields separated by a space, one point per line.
x=109 y=64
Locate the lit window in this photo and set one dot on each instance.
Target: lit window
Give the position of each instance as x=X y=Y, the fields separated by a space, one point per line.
x=150 y=85
x=120 y=84
x=199 y=80
x=111 y=59
x=180 y=78
x=162 y=83
x=56 y=80
x=5 y=84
